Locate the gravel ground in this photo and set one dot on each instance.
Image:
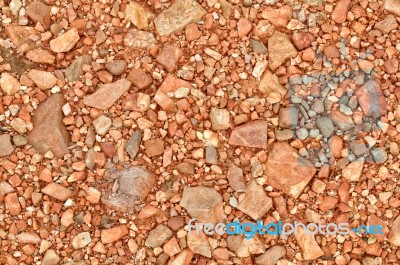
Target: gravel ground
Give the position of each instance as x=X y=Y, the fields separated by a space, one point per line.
x=120 y=121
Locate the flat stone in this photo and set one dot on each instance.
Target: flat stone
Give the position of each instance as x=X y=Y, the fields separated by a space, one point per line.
x=244 y=27
x=379 y=155
x=340 y=11
x=102 y=124
x=269 y=84
x=49 y=132
x=65 y=42
x=116 y=67
x=258 y=46
x=280 y=49
x=393 y=6
x=140 y=78
x=12 y=204
x=371 y=99
x=204 y=204
x=303 y=40
x=74 y=71
x=331 y=51
x=288 y=117
x=353 y=170
x=169 y=57
x=170 y=84
x=279 y=17
x=251 y=134
x=211 y=155
x=180 y=14
x=5 y=188
x=284 y=135
x=50 y=258
x=81 y=240
x=107 y=95
x=341 y=120
x=138 y=15
x=9 y=84
x=387 y=25
x=113 y=234
x=183 y=258
x=43 y=79
x=220 y=119
x=158 y=236
x=154 y=147
x=325 y=125
x=57 y=191
x=198 y=243
x=39 y=12
x=21 y=36
x=139 y=39
x=255 y=203
x=309 y=246
x=287 y=171
x=41 y=56
x=271 y=256
x=394 y=235
x=132 y=146
x=6 y=147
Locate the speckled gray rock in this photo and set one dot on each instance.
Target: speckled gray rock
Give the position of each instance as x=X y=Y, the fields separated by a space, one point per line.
x=325 y=125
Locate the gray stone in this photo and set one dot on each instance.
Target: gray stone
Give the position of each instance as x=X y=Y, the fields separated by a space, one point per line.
x=325 y=125
x=379 y=155
x=116 y=67
x=284 y=135
x=158 y=236
x=302 y=133
x=288 y=118
x=211 y=155
x=258 y=47
x=132 y=147
x=358 y=148
x=74 y=70
x=6 y=147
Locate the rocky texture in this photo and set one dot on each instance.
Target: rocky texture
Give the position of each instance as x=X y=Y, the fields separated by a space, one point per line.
x=39 y=12
x=74 y=71
x=271 y=256
x=9 y=84
x=392 y=6
x=353 y=170
x=158 y=236
x=280 y=49
x=49 y=132
x=202 y=203
x=43 y=79
x=287 y=171
x=180 y=14
x=371 y=99
x=220 y=119
x=169 y=57
x=251 y=134
x=255 y=203
x=139 y=39
x=198 y=243
x=394 y=235
x=57 y=191
x=107 y=94
x=170 y=84
x=65 y=42
x=6 y=147
x=339 y=14
x=310 y=248
x=138 y=15
x=40 y=56
x=270 y=86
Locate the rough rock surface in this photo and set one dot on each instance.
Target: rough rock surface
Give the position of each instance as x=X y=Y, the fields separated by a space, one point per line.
x=251 y=134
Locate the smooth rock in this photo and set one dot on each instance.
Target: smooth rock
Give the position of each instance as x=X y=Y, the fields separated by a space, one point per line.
x=65 y=42
x=339 y=13
x=41 y=56
x=116 y=67
x=74 y=71
x=387 y=25
x=107 y=95
x=287 y=171
x=353 y=170
x=158 y=236
x=325 y=125
x=379 y=155
x=50 y=258
x=204 y=204
x=251 y=134
x=49 y=132
x=180 y=14
x=288 y=117
x=6 y=147
x=139 y=39
x=113 y=234
x=57 y=191
x=9 y=84
x=271 y=256
x=43 y=79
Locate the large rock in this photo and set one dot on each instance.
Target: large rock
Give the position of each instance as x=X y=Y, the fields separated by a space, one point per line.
x=341 y=120
x=39 y=12
x=41 y=56
x=204 y=204
x=371 y=99
x=21 y=36
x=287 y=171
x=107 y=95
x=198 y=243
x=74 y=70
x=44 y=80
x=65 y=42
x=180 y=14
x=134 y=184
x=393 y=6
x=6 y=147
x=280 y=49
x=269 y=84
x=387 y=25
x=158 y=236
x=57 y=191
x=49 y=132
x=394 y=235
x=250 y=134
x=255 y=203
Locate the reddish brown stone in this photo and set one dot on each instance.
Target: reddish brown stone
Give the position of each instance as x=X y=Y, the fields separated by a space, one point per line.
x=139 y=78
x=339 y=14
x=39 y=12
x=170 y=84
x=169 y=57
x=371 y=99
x=302 y=40
x=251 y=134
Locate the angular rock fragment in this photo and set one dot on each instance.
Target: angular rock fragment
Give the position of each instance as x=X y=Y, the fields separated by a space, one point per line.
x=132 y=146
x=251 y=134
x=271 y=256
x=138 y=15
x=6 y=147
x=158 y=236
x=41 y=56
x=371 y=99
x=169 y=57
x=387 y=25
x=325 y=125
x=21 y=37
x=43 y=79
x=170 y=84
x=102 y=124
x=28 y=238
x=5 y=188
x=113 y=234
x=339 y=14
x=180 y=14
x=235 y=178
x=65 y=42
x=219 y=119
x=204 y=204
x=139 y=39
x=139 y=78
x=270 y=86
x=310 y=248
x=183 y=258
x=393 y=6
x=57 y=191
x=134 y=184
x=116 y=67
x=154 y=147
x=394 y=235
x=50 y=258
x=278 y=17
x=288 y=117
x=81 y=240
x=353 y=170
x=74 y=70
x=302 y=40
x=39 y=12
x=107 y=95
x=341 y=120
x=49 y=132
x=12 y=204
x=255 y=203
x=287 y=171
x=198 y=243
x=280 y=49
x=9 y=84
x=250 y=247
